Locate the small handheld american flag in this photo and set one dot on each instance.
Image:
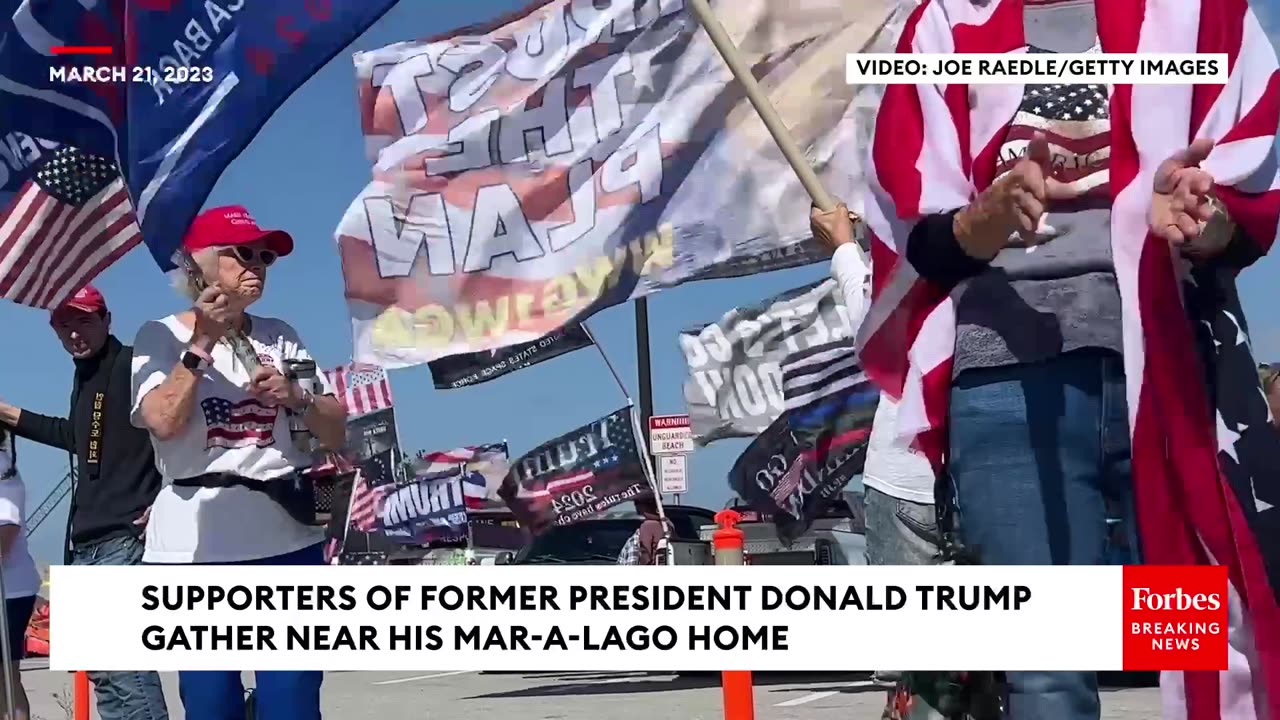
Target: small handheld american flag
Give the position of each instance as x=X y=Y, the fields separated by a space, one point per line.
x=365 y=510
x=362 y=389
x=66 y=224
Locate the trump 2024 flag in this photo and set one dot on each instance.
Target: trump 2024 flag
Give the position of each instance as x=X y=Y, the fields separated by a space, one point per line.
x=530 y=174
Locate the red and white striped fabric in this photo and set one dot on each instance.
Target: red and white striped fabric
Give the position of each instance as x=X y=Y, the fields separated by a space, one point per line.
x=364 y=510
x=361 y=389
x=66 y=224
x=937 y=146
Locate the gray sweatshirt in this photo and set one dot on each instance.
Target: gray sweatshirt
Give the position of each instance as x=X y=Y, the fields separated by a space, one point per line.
x=1032 y=304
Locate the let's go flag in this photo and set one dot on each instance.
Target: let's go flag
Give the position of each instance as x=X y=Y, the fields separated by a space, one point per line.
x=529 y=174
x=185 y=85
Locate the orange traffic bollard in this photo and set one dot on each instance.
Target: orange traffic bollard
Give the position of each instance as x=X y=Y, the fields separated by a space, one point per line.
x=80 y=699
x=728 y=542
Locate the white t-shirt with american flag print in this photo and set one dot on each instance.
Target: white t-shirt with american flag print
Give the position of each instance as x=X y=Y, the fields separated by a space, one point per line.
x=229 y=432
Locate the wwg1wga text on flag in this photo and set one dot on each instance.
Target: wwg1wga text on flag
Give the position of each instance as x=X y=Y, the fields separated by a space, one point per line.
x=1203 y=497
x=203 y=78
x=64 y=218
x=362 y=389
x=531 y=174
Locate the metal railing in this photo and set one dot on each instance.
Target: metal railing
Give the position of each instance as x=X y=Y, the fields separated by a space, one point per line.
x=51 y=501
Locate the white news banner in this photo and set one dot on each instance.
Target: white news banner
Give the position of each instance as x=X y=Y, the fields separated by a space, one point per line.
x=613 y=618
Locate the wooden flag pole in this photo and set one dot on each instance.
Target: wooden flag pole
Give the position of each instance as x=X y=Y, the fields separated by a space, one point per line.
x=760 y=101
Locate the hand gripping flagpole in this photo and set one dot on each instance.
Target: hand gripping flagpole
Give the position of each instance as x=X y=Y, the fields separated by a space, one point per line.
x=240 y=344
x=764 y=108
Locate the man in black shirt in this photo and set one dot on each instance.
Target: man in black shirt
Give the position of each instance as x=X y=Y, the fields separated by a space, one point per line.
x=117 y=477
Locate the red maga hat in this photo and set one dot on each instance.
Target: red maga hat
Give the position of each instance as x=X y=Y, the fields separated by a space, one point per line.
x=87 y=299
x=232 y=225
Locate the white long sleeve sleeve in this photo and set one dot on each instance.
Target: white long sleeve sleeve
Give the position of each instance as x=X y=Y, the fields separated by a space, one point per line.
x=853 y=275
x=891 y=468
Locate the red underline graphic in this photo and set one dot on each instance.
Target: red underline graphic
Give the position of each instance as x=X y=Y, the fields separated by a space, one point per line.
x=80 y=50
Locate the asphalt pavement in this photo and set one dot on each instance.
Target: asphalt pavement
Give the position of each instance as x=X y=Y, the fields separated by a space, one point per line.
x=571 y=696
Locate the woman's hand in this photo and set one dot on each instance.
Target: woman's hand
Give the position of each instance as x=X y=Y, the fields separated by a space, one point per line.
x=213 y=316
x=271 y=388
x=832 y=227
x=1013 y=206
x=1183 y=210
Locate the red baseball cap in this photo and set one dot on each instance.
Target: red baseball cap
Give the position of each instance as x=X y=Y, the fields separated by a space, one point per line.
x=232 y=225
x=87 y=299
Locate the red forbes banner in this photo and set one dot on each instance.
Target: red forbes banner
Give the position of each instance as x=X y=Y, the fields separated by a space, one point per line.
x=1175 y=618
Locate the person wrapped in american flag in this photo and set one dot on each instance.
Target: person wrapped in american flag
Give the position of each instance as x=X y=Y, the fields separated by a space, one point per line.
x=220 y=424
x=1053 y=310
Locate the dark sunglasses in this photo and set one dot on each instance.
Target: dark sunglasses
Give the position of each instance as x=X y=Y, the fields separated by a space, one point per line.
x=247 y=255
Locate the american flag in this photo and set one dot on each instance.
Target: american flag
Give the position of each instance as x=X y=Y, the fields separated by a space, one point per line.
x=1074 y=120
x=63 y=227
x=789 y=483
x=1192 y=507
x=365 y=509
x=362 y=389
x=247 y=423
x=484 y=468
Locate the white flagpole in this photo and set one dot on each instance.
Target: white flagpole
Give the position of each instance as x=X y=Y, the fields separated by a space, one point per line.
x=760 y=101
x=664 y=545
x=616 y=378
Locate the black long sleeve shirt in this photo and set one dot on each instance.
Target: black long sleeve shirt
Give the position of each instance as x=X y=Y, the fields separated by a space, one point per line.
x=112 y=493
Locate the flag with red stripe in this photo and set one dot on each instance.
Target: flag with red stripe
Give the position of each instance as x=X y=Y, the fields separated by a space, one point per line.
x=483 y=469
x=937 y=146
x=365 y=509
x=362 y=389
x=65 y=223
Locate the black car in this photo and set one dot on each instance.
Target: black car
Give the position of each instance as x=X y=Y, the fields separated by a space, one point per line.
x=599 y=540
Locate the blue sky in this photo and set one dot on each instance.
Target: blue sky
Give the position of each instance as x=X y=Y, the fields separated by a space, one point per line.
x=299 y=174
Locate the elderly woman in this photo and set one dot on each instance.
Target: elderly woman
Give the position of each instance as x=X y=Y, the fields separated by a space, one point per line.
x=222 y=440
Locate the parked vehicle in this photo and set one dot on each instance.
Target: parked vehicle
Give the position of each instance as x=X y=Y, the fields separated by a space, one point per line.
x=837 y=537
x=599 y=539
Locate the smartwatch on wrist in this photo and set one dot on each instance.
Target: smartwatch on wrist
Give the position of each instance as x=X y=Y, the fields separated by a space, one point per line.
x=195 y=358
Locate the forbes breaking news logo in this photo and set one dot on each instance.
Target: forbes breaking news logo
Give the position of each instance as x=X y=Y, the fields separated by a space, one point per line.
x=1175 y=618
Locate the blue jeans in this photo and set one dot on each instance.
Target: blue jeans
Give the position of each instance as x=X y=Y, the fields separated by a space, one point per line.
x=280 y=695
x=122 y=695
x=899 y=532
x=1038 y=454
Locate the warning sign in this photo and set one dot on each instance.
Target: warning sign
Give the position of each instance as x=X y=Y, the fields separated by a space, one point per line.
x=673 y=474
x=670 y=435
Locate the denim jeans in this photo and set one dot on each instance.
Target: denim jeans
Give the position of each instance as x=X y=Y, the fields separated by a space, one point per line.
x=900 y=532
x=1038 y=453
x=279 y=695
x=122 y=695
